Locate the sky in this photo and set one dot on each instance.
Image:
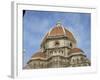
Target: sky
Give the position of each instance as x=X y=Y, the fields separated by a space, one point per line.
x=37 y=23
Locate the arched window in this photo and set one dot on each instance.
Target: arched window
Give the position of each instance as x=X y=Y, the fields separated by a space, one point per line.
x=55 y=51
x=78 y=60
x=59 y=51
x=70 y=44
x=51 y=52
x=73 y=60
x=81 y=59
x=34 y=65
x=62 y=52
x=42 y=65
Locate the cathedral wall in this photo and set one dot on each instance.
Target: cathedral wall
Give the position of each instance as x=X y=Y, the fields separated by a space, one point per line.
x=37 y=64
x=66 y=52
x=62 y=43
x=78 y=60
x=70 y=44
x=67 y=43
x=51 y=43
x=54 y=52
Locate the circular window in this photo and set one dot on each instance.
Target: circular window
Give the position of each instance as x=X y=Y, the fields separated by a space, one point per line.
x=56 y=43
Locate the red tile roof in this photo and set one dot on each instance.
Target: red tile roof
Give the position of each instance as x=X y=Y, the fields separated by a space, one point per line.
x=74 y=50
x=56 y=31
x=39 y=54
x=59 y=31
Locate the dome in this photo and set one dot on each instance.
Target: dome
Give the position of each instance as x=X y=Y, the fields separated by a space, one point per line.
x=58 y=31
